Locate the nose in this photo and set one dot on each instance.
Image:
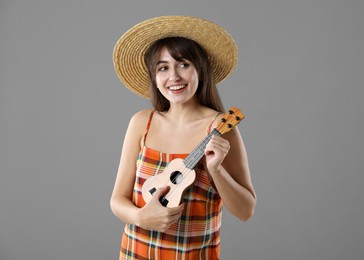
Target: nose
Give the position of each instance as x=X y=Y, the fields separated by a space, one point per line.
x=174 y=76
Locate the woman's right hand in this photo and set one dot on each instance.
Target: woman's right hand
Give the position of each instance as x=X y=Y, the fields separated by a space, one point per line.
x=157 y=217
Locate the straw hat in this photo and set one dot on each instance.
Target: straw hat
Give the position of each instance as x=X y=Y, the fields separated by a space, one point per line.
x=130 y=49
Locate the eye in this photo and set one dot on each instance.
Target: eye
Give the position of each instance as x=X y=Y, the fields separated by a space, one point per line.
x=162 y=68
x=184 y=65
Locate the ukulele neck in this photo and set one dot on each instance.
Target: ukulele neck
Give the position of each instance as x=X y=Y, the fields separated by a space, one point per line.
x=195 y=156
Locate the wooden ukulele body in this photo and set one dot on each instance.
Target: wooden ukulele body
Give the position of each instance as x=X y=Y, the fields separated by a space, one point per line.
x=177 y=176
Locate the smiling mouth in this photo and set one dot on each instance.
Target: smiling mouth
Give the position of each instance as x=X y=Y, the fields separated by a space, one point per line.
x=177 y=87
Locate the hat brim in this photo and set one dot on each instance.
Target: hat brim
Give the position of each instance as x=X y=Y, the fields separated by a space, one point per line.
x=129 y=51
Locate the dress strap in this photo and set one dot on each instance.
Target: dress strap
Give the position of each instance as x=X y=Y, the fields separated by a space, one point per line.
x=212 y=121
x=148 y=126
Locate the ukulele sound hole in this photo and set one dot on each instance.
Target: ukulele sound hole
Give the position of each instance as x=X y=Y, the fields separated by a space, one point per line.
x=176 y=177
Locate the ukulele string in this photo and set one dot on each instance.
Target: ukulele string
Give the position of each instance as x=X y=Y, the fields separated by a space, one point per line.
x=182 y=169
x=185 y=170
x=221 y=129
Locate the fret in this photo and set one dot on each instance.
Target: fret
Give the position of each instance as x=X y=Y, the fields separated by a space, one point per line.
x=195 y=156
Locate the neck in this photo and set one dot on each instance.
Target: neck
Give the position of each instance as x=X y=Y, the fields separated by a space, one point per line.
x=196 y=155
x=184 y=112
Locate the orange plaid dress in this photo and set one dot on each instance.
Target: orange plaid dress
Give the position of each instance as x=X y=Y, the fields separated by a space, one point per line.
x=196 y=235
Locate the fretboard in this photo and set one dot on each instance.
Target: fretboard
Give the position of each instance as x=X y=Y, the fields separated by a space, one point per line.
x=195 y=156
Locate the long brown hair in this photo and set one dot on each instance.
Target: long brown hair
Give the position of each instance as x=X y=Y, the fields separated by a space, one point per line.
x=182 y=48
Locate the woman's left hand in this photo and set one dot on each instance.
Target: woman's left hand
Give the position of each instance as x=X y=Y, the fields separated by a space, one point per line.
x=216 y=150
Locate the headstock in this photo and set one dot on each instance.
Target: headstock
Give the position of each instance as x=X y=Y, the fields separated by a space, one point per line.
x=230 y=119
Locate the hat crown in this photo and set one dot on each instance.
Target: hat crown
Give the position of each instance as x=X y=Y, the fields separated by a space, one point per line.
x=130 y=49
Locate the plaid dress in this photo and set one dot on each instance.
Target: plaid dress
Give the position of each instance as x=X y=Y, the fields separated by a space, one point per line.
x=196 y=235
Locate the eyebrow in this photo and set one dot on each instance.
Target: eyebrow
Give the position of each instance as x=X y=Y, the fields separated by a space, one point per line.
x=180 y=59
x=161 y=61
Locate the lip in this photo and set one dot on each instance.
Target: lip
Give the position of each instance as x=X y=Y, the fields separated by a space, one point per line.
x=177 y=88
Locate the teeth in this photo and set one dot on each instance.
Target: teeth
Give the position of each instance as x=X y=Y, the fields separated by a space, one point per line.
x=176 y=87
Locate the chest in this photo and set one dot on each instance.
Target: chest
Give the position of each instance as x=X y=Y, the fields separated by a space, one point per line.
x=183 y=139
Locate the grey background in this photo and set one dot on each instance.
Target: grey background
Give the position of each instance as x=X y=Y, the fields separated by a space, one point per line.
x=63 y=115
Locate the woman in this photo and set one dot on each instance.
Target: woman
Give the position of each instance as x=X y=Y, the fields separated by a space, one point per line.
x=180 y=59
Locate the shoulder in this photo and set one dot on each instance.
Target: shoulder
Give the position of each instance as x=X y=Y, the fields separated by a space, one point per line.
x=140 y=118
x=136 y=128
x=138 y=122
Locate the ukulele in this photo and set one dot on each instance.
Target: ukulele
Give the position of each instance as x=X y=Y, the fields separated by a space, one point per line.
x=180 y=174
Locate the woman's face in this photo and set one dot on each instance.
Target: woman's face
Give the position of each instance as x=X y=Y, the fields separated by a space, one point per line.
x=177 y=80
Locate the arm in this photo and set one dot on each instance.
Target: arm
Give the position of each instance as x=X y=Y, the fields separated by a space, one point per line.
x=153 y=215
x=227 y=163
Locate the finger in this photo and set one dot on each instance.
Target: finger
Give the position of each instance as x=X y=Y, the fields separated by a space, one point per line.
x=215 y=149
x=176 y=210
x=215 y=143
x=222 y=145
x=220 y=142
x=175 y=218
x=161 y=191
